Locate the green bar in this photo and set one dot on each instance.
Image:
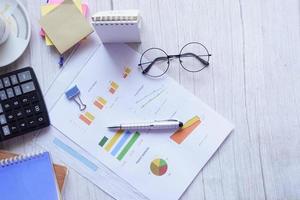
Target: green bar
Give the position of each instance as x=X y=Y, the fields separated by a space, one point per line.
x=128 y=145
x=103 y=141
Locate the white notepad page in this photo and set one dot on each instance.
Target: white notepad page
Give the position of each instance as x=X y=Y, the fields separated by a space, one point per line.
x=118 y=26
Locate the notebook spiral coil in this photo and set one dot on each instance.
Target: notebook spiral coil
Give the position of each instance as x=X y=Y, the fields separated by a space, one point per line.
x=114 y=18
x=20 y=158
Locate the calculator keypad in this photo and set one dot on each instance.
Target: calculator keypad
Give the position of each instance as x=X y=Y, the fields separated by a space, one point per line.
x=22 y=108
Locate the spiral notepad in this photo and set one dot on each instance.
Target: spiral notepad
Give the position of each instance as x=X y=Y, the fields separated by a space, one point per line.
x=28 y=177
x=118 y=26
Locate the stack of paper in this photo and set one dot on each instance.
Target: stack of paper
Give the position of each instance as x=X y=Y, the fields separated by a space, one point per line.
x=159 y=165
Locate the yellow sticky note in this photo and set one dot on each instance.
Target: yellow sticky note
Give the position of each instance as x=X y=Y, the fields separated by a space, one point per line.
x=45 y=9
x=65 y=26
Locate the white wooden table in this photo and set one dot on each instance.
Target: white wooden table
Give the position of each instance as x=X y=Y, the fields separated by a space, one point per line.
x=253 y=80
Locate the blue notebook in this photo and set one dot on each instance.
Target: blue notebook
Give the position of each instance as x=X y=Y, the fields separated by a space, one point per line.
x=28 y=177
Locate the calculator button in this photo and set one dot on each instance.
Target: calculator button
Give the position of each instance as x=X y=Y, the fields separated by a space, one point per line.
x=40 y=119
x=6 y=130
x=24 y=76
x=33 y=97
x=10 y=93
x=1 y=84
x=37 y=108
x=6 y=82
x=15 y=103
x=3 y=95
x=6 y=105
x=10 y=117
x=24 y=100
x=22 y=125
x=28 y=87
x=2 y=119
x=17 y=90
x=31 y=122
x=14 y=128
x=14 y=79
x=1 y=109
x=28 y=111
x=19 y=114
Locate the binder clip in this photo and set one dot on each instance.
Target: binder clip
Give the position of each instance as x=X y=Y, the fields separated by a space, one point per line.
x=73 y=94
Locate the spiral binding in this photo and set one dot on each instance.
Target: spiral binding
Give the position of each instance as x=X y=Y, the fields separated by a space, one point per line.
x=114 y=18
x=20 y=158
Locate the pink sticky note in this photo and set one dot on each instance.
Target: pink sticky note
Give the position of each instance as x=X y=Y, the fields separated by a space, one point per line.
x=42 y=33
x=85 y=9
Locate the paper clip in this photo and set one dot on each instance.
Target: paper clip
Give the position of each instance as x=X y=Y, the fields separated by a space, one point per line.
x=73 y=94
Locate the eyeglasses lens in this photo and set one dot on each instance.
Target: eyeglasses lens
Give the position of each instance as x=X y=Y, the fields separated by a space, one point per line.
x=154 y=62
x=194 y=57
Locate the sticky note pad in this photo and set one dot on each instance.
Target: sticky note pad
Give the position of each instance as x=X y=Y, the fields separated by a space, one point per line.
x=45 y=9
x=65 y=26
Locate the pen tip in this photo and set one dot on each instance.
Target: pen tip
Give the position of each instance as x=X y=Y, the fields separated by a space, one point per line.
x=113 y=127
x=180 y=124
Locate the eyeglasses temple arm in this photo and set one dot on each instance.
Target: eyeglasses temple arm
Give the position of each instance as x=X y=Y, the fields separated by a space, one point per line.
x=145 y=71
x=204 y=62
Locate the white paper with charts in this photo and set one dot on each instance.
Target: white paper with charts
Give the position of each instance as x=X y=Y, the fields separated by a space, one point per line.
x=159 y=164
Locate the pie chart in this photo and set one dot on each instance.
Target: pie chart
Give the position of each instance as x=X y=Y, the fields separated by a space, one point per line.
x=159 y=167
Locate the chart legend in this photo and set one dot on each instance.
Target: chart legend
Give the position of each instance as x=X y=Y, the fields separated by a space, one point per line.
x=180 y=135
x=126 y=72
x=100 y=102
x=87 y=118
x=113 y=87
x=159 y=167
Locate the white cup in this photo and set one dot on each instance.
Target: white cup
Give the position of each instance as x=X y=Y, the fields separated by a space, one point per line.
x=4 y=31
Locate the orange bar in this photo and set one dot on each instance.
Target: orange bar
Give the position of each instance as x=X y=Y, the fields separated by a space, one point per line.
x=85 y=119
x=97 y=104
x=112 y=90
x=180 y=135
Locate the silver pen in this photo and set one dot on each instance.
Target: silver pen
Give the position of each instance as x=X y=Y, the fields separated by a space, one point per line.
x=155 y=125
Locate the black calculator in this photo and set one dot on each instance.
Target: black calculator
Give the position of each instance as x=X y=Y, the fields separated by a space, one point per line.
x=22 y=107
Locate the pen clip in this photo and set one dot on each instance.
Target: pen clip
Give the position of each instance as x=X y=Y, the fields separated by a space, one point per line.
x=167 y=120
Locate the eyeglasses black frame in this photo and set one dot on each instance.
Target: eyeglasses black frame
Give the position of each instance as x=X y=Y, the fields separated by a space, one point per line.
x=179 y=56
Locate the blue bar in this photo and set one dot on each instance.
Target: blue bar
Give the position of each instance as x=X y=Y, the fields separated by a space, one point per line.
x=121 y=143
x=75 y=154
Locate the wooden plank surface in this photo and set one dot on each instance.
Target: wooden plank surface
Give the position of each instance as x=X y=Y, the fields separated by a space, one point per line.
x=253 y=80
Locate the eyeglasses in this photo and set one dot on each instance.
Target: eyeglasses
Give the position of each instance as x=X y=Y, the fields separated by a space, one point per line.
x=193 y=57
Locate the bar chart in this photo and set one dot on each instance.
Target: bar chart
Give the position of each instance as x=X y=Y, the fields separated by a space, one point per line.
x=126 y=72
x=100 y=102
x=120 y=143
x=87 y=118
x=113 y=87
x=180 y=135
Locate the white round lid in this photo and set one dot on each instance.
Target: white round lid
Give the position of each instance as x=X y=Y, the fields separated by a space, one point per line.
x=16 y=17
